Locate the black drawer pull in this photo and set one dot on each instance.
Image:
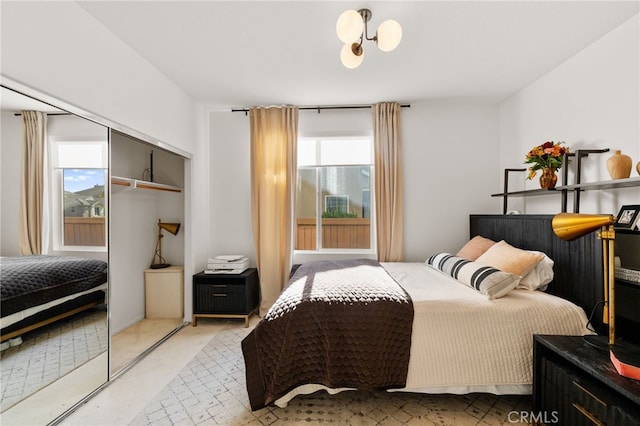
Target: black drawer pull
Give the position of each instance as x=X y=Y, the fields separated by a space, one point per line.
x=219 y=295
x=220 y=285
x=587 y=414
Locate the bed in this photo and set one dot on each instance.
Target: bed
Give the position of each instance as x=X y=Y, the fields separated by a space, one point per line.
x=421 y=329
x=37 y=290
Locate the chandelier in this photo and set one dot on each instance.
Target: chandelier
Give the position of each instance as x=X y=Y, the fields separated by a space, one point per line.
x=352 y=31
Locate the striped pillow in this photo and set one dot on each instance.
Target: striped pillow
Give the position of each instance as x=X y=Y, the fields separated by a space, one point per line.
x=489 y=281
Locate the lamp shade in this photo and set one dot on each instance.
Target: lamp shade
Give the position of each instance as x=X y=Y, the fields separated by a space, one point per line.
x=388 y=35
x=569 y=226
x=170 y=227
x=349 y=26
x=349 y=58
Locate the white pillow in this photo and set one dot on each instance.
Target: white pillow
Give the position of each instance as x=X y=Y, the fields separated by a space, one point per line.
x=540 y=276
x=489 y=281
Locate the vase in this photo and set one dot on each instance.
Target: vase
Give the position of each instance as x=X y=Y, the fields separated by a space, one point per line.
x=619 y=165
x=638 y=168
x=548 y=179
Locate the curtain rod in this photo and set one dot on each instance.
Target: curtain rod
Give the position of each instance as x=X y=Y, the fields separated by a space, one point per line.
x=320 y=107
x=18 y=114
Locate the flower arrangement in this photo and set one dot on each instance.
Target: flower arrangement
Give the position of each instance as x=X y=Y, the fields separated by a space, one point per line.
x=547 y=155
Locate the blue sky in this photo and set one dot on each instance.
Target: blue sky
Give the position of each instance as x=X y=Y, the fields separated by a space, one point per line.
x=78 y=179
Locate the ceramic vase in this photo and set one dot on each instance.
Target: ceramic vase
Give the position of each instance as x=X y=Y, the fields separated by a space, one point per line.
x=619 y=165
x=638 y=167
x=548 y=179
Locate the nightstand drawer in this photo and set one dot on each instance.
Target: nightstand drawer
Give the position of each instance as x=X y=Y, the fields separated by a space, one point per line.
x=223 y=299
x=589 y=402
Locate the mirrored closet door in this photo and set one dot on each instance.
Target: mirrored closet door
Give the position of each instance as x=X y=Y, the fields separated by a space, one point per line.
x=120 y=211
x=54 y=290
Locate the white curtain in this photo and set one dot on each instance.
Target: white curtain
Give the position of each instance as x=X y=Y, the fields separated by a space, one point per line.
x=388 y=181
x=32 y=183
x=273 y=170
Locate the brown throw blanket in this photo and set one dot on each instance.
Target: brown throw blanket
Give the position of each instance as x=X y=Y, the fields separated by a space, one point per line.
x=337 y=323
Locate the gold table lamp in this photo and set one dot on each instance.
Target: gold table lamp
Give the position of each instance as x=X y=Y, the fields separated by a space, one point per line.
x=158 y=262
x=569 y=226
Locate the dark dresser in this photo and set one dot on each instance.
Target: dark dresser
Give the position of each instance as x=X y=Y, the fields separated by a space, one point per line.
x=226 y=295
x=575 y=383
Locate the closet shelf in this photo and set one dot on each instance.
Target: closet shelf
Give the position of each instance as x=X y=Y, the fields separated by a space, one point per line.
x=128 y=184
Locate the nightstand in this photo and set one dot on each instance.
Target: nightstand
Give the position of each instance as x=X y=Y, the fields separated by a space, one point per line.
x=164 y=292
x=575 y=383
x=226 y=295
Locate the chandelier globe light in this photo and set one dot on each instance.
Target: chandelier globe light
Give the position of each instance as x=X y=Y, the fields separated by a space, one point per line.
x=389 y=35
x=352 y=55
x=351 y=28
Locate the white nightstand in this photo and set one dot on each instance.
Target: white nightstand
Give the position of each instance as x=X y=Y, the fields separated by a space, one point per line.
x=164 y=292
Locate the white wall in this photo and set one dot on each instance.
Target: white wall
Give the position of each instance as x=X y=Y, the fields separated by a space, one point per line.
x=450 y=157
x=61 y=50
x=591 y=101
x=449 y=151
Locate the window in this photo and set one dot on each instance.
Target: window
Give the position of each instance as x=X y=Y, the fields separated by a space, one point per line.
x=333 y=203
x=336 y=204
x=80 y=171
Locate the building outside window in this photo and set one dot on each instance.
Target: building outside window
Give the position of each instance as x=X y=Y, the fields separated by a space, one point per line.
x=333 y=187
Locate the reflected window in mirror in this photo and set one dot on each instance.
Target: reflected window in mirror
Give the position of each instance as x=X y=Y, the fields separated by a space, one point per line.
x=80 y=174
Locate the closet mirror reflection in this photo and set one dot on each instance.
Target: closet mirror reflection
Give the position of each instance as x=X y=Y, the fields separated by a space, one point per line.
x=87 y=217
x=54 y=309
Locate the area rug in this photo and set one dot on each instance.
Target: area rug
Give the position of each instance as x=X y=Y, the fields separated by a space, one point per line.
x=50 y=352
x=210 y=390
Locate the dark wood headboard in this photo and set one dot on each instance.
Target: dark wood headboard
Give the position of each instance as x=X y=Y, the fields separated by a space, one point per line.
x=578 y=269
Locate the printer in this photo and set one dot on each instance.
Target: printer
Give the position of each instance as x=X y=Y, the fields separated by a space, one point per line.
x=227 y=264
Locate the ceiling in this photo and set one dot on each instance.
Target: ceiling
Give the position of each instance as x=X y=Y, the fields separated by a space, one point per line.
x=240 y=53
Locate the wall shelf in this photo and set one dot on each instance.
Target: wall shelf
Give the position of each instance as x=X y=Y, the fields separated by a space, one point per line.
x=120 y=184
x=564 y=190
x=604 y=184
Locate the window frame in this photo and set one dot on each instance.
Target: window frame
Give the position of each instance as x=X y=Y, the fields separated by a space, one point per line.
x=57 y=201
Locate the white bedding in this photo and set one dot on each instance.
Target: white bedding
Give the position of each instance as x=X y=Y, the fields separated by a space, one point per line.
x=462 y=342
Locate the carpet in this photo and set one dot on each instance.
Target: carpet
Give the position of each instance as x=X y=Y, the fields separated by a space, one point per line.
x=50 y=352
x=210 y=390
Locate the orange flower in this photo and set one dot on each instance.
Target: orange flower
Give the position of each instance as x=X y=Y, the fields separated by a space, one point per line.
x=547 y=155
